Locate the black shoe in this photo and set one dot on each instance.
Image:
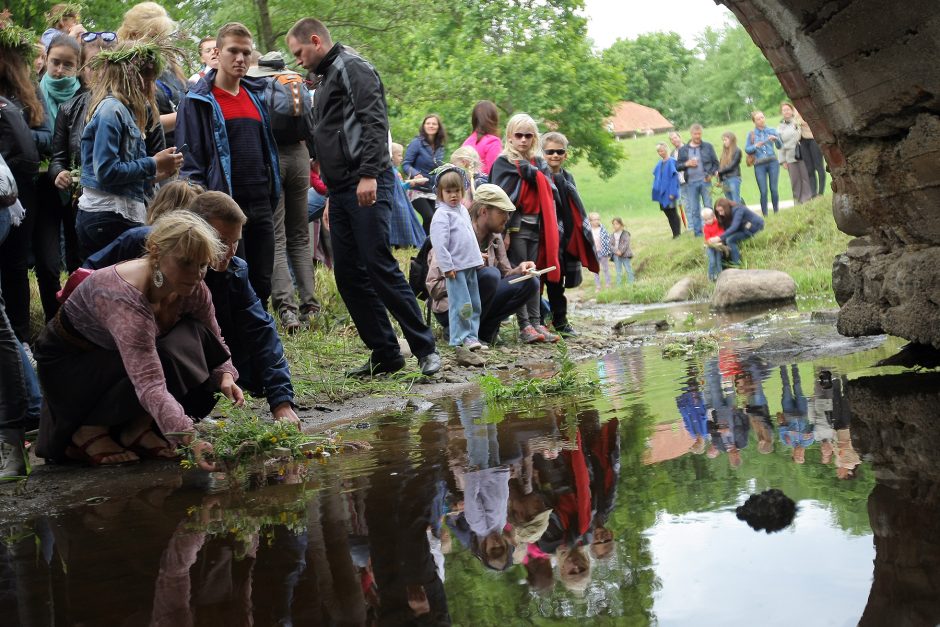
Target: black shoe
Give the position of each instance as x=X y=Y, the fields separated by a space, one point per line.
x=429 y=364
x=566 y=330
x=372 y=368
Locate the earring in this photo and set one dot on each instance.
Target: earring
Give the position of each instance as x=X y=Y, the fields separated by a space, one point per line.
x=157 y=278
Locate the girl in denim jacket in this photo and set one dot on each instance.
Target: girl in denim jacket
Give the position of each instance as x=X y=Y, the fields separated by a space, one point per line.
x=760 y=144
x=117 y=174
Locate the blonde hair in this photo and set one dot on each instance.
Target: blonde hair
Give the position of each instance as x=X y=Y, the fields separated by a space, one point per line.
x=131 y=83
x=147 y=20
x=577 y=582
x=727 y=153
x=707 y=213
x=594 y=216
x=517 y=122
x=467 y=155
x=186 y=236
x=173 y=196
x=555 y=137
x=395 y=146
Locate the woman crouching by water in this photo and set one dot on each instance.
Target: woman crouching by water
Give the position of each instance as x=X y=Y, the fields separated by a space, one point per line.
x=134 y=352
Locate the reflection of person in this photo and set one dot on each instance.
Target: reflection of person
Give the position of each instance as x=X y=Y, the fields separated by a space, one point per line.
x=819 y=413
x=691 y=405
x=795 y=429
x=750 y=383
x=847 y=459
x=727 y=425
x=602 y=445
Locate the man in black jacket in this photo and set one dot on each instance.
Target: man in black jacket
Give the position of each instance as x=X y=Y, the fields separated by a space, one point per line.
x=351 y=143
x=699 y=163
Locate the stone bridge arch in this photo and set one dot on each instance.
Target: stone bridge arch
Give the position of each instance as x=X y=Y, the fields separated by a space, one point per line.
x=865 y=74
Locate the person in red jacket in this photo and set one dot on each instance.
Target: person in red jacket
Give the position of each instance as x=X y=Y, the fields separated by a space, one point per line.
x=713 y=252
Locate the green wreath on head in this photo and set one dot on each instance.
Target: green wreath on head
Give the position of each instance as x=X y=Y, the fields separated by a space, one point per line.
x=140 y=54
x=73 y=9
x=19 y=39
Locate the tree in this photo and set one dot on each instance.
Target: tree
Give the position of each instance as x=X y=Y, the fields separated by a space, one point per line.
x=648 y=64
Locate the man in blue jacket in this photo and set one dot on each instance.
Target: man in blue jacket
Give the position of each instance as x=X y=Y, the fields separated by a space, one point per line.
x=222 y=116
x=247 y=328
x=350 y=136
x=699 y=163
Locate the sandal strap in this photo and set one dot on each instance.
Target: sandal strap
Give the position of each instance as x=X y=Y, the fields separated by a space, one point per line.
x=84 y=446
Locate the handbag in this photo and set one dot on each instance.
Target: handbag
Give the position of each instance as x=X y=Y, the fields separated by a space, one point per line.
x=798 y=153
x=8 y=191
x=751 y=159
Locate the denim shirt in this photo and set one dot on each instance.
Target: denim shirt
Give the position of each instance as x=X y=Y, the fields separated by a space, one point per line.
x=765 y=152
x=114 y=155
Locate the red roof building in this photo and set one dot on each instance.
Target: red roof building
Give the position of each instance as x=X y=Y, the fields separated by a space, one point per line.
x=631 y=120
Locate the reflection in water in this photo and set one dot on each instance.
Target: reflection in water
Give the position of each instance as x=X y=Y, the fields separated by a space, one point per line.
x=619 y=509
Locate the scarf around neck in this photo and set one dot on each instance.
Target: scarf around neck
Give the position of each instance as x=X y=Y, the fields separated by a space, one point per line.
x=56 y=91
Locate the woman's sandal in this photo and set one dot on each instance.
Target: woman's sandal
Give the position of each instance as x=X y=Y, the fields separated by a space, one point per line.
x=152 y=452
x=79 y=453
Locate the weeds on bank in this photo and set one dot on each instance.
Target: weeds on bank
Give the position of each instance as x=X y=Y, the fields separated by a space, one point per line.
x=567 y=381
x=687 y=346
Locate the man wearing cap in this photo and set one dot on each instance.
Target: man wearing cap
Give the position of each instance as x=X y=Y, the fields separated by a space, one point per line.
x=499 y=298
x=289 y=109
x=225 y=135
x=351 y=143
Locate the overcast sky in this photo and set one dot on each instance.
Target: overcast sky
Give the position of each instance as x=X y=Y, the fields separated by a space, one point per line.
x=610 y=19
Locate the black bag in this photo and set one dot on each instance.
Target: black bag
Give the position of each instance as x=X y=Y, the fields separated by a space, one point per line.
x=798 y=153
x=418 y=271
x=16 y=140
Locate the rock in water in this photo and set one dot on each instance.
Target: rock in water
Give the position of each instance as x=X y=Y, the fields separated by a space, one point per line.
x=682 y=290
x=740 y=289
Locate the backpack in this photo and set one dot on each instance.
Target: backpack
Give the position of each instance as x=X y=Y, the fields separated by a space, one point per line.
x=16 y=140
x=418 y=271
x=289 y=107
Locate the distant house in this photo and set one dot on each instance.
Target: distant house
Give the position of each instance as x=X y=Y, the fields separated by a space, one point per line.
x=632 y=120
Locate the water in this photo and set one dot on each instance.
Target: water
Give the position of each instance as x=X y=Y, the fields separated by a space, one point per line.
x=642 y=528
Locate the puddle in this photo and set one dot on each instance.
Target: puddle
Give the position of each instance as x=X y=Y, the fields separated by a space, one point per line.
x=618 y=508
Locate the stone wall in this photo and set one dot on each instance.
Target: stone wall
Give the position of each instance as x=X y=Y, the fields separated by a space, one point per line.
x=865 y=75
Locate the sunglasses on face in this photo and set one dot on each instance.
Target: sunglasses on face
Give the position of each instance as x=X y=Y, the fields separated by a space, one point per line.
x=105 y=36
x=555 y=151
x=523 y=135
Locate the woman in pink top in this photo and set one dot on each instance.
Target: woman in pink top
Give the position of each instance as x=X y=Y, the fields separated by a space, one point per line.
x=485 y=136
x=136 y=345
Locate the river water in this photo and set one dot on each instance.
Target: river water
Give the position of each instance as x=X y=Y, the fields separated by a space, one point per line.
x=618 y=507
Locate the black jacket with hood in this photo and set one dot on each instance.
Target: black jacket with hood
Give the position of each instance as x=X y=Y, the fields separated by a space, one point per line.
x=350 y=120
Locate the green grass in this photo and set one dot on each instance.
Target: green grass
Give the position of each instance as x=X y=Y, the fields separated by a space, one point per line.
x=627 y=193
x=801 y=241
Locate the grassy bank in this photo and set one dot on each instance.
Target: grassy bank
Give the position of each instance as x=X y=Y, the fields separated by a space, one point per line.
x=801 y=241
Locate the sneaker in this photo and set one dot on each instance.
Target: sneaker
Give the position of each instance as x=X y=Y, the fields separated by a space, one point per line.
x=550 y=338
x=373 y=368
x=289 y=321
x=430 y=364
x=12 y=460
x=530 y=336
x=566 y=330
x=307 y=314
x=472 y=344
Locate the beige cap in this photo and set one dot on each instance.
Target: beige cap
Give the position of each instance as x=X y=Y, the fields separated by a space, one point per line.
x=493 y=196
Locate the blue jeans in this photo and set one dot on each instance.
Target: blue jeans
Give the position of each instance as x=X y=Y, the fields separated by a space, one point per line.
x=33 y=395
x=792 y=400
x=697 y=191
x=732 y=186
x=463 y=311
x=714 y=262
x=97 y=229
x=315 y=204
x=765 y=172
x=622 y=265
x=732 y=242
x=5 y=224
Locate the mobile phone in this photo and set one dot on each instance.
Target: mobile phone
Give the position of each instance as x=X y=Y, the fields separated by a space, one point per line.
x=182 y=148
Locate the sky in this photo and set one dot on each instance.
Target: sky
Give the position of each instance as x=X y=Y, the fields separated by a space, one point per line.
x=610 y=19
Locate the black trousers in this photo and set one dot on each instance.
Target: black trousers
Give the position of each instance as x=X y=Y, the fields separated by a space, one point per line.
x=815 y=166
x=498 y=300
x=257 y=244
x=672 y=214
x=368 y=276
x=12 y=380
x=14 y=261
x=54 y=218
x=425 y=209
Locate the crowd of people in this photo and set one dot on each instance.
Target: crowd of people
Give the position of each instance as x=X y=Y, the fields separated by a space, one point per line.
x=184 y=209
x=683 y=180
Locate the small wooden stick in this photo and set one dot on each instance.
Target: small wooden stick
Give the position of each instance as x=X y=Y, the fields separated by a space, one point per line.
x=530 y=274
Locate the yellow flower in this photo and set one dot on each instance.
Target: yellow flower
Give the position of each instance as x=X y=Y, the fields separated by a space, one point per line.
x=273 y=440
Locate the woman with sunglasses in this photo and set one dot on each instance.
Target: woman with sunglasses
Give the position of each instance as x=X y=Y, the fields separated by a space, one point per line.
x=532 y=231
x=425 y=153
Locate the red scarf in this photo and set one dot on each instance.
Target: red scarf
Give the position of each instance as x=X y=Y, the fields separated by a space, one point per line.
x=578 y=502
x=538 y=199
x=576 y=245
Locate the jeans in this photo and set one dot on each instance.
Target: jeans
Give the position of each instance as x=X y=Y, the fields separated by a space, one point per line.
x=623 y=266
x=33 y=394
x=316 y=202
x=697 y=191
x=769 y=171
x=499 y=299
x=292 y=251
x=714 y=258
x=368 y=276
x=732 y=186
x=5 y=224
x=792 y=401
x=463 y=298
x=257 y=245
x=732 y=242
x=97 y=229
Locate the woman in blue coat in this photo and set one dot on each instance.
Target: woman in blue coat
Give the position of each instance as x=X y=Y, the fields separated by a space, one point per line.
x=424 y=154
x=739 y=223
x=666 y=188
